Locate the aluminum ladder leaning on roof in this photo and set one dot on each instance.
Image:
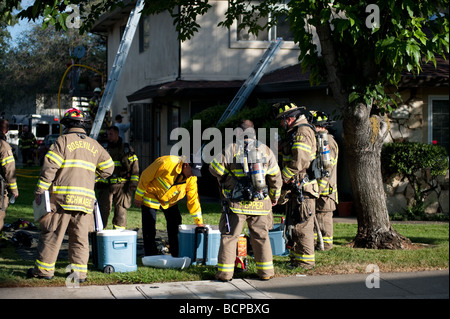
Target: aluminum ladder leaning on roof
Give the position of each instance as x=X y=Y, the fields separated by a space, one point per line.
x=248 y=86
x=116 y=70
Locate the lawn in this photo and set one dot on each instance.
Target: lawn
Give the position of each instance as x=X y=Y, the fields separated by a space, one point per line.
x=431 y=239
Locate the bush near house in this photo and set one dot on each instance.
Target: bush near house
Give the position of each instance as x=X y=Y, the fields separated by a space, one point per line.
x=422 y=165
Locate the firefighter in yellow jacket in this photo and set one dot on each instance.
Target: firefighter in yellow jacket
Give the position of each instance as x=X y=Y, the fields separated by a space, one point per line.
x=7 y=173
x=326 y=203
x=69 y=172
x=250 y=181
x=298 y=151
x=161 y=185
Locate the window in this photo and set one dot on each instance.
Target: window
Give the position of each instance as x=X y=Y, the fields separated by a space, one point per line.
x=241 y=38
x=438 y=124
x=144 y=33
x=173 y=121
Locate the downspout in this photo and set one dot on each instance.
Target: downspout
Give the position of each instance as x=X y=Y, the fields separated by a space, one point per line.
x=179 y=51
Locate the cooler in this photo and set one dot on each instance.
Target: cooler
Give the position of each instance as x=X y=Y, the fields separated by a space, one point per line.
x=201 y=244
x=277 y=241
x=115 y=250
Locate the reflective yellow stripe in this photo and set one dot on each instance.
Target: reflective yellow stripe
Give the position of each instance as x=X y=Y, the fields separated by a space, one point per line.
x=43 y=185
x=45 y=266
x=118 y=227
x=225 y=267
x=264 y=265
x=302 y=146
x=74 y=190
x=55 y=158
x=249 y=211
x=287 y=173
x=79 y=268
x=274 y=170
x=163 y=183
x=151 y=202
x=77 y=208
x=305 y=258
x=140 y=192
x=105 y=164
x=133 y=158
x=13 y=185
x=219 y=168
x=7 y=160
x=79 y=164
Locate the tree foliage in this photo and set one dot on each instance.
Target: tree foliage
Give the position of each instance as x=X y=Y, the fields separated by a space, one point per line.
x=40 y=57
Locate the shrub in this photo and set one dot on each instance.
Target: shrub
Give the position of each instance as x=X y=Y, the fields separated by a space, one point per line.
x=415 y=161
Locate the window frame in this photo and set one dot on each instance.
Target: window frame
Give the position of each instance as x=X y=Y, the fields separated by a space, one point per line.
x=432 y=98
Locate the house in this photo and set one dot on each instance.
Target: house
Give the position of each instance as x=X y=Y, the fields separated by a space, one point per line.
x=165 y=81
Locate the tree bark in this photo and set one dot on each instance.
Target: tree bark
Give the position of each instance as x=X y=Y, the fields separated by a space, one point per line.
x=363 y=138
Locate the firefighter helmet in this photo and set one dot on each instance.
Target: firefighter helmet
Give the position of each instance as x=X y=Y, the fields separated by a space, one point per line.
x=73 y=117
x=319 y=118
x=287 y=109
x=97 y=90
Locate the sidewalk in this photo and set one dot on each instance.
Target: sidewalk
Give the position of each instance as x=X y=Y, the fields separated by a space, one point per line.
x=407 y=285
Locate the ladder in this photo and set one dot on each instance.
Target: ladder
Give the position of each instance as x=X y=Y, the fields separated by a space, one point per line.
x=116 y=70
x=248 y=86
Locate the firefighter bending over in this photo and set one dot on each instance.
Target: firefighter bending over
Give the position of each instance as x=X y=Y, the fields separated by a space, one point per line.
x=161 y=185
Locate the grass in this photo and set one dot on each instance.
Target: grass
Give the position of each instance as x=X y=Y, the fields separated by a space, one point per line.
x=432 y=250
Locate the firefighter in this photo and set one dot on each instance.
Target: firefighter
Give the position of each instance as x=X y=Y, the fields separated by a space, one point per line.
x=326 y=203
x=69 y=171
x=121 y=185
x=250 y=182
x=161 y=185
x=298 y=150
x=27 y=146
x=94 y=103
x=7 y=173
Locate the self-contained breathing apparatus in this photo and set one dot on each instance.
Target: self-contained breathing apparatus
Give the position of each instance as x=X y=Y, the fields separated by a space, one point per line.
x=252 y=185
x=318 y=169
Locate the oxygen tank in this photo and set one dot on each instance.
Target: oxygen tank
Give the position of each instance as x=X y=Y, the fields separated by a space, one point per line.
x=257 y=170
x=324 y=149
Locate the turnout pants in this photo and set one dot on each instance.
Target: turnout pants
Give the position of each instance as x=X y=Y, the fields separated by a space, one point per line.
x=3 y=212
x=325 y=206
x=259 y=236
x=173 y=218
x=53 y=228
x=302 y=251
x=120 y=196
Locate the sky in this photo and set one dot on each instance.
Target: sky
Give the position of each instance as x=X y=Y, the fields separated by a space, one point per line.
x=23 y=24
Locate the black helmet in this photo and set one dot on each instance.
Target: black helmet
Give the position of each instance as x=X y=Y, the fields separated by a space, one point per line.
x=319 y=118
x=287 y=109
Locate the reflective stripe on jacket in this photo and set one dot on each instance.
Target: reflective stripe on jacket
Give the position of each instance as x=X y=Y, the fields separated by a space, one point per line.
x=298 y=154
x=229 y=171
x=162 y=185
x=8 y=166
x=71 y=166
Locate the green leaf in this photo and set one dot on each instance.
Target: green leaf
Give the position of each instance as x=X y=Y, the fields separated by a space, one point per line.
x=353 y=96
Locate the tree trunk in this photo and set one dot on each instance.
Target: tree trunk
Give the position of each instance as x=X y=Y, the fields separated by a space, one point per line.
x=363 y=136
